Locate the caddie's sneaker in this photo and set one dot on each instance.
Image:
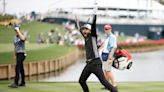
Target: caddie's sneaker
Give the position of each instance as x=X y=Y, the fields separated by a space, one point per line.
x=116 y=87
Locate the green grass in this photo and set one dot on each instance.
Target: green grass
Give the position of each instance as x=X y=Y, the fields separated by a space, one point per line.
x=34 y=28
x=75 y=87
x=36 y=53
x=28 y=47
x=123 y=38
x=6 y=17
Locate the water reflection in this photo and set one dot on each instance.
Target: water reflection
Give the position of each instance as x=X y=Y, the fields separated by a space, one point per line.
x=147 y=66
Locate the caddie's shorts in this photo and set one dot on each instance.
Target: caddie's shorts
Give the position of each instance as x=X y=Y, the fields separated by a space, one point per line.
x=106 y=66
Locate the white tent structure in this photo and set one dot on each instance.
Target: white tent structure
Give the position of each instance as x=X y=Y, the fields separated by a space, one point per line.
x=149 y=8
x=118 y=11
x=121 y=4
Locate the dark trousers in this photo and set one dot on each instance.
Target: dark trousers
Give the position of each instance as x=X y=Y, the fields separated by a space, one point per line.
x=19 y=69
x=97 y=70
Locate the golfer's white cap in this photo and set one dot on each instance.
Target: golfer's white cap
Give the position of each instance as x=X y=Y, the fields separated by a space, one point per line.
x=88 y=26
x=17 y=28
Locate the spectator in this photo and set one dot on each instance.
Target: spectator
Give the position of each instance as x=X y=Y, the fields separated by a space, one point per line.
x=40 y=38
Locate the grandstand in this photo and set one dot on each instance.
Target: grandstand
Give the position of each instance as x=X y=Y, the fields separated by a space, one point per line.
x=124 y=15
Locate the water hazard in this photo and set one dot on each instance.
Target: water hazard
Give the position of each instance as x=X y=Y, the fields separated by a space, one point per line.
x=148 y=66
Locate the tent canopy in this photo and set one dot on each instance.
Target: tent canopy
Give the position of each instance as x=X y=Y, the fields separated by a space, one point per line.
x=119 y=4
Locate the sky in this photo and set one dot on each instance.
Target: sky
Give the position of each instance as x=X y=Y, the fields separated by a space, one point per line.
x=16 y=6
x=26 y=6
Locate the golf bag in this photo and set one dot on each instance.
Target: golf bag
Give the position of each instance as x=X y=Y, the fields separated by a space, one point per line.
x=123 y=59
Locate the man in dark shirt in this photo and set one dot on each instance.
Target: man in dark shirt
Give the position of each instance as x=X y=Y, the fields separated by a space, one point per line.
x=94 y=64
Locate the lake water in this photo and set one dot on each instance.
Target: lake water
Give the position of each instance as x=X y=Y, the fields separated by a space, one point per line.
x=148 y=66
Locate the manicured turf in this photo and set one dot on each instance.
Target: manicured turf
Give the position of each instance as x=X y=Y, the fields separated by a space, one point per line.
x=34 y=28
x=123 y=38
x=35 y=54
x=10 y=47
x=75 y=87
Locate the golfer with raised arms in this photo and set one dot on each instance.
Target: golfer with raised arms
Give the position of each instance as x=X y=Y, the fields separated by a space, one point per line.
x=93 y=62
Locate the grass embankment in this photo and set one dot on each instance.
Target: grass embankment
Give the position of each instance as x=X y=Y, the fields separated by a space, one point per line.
x=35 y=52
x=6 y=17
x=33 y=28
x=75 y=87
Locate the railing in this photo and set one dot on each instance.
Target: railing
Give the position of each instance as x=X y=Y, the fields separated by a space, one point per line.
x=106 y=19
